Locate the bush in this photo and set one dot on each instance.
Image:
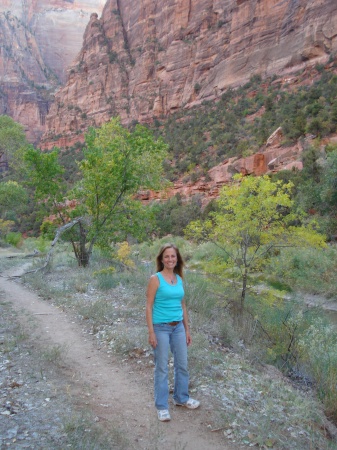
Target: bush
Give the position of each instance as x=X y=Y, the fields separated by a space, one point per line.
x=105 y=279
x=41 y=244
x=319 y=352
x=173 y=215
x=306 y=270
x=48 y=229
x=14 y=239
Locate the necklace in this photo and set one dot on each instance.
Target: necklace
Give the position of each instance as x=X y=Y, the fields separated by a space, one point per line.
x=171 y=278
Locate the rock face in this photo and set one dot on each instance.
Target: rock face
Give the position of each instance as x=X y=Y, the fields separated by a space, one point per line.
x=146 y=59
x=38 y=41
x=272 y=158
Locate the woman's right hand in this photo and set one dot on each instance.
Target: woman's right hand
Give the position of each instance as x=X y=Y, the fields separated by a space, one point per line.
x=152 y=339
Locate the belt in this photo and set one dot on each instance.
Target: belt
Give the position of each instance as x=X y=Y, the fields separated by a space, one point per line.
x=173 y=324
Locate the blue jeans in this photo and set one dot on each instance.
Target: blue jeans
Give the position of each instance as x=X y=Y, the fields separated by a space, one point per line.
x=174 y=338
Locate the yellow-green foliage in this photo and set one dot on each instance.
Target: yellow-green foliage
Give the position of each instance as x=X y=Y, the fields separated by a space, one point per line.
x=104 y=271
x=123 y=254
x=48 y=229
x=13 y=238
x=5 y=226
x=117 y=163
x=254 y=216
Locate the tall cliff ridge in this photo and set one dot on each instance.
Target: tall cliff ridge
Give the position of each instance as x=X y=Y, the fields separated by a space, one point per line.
x=39 y=39
x=147 y=59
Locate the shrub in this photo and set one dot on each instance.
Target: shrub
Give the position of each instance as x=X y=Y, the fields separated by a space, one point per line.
x=319 y=352
x=307 y=271
x=48 y=229
x=113 y=57
x=197 y=88
x=105 y=279
x=6 y=226
x=14 y=239
x=123 y=254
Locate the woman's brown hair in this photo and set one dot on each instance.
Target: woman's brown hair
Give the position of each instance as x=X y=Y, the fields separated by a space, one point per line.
x=180 y=263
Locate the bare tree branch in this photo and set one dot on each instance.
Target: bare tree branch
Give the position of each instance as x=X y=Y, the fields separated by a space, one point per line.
x=58 y=234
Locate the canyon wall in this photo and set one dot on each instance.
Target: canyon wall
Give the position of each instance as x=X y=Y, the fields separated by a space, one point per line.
x=149 y=58
x=39 y=39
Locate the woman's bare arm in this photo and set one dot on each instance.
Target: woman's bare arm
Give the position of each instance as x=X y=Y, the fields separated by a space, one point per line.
x=185 y=322
x=150 y=295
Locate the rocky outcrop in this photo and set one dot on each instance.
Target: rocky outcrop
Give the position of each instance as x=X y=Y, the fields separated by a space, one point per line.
x=38 y=41
x=273 y=158
x=147 y=59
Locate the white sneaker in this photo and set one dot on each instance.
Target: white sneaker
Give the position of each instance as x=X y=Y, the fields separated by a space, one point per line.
x=163 y=415
x=190 y=404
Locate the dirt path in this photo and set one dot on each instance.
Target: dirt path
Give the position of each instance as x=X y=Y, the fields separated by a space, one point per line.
x=116 y=396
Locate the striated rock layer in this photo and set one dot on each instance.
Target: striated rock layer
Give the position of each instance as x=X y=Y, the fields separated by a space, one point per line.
x=39 y=39
x=148 y=58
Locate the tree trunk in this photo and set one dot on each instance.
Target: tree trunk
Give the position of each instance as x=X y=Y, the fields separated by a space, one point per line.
x=238 y=313
x=82 y=254
x=243 y=293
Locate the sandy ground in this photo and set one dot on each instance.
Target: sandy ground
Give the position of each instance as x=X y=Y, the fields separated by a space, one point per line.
x=117 y=396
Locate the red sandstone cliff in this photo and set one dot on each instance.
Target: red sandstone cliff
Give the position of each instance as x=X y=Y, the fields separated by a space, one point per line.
x=38 y=41
x=151 y=57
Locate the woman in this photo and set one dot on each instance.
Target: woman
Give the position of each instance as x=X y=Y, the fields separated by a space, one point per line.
x=167 y=321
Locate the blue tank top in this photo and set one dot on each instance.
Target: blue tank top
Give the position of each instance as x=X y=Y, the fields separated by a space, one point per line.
x=167 y=302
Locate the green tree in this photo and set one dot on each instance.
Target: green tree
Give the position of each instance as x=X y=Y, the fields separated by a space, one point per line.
x=173 y=215
x=254 y=217
x=45 y=175
x=334 y=116
x=13 y=197
x=328 y=191
x=308 y=195
x=12 y=142
x=317 y=126
x=117 y=164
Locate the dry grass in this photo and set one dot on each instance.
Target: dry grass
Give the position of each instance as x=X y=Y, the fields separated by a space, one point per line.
x=252 y=407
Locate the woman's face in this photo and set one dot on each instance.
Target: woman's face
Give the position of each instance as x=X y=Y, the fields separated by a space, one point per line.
x=169 y=258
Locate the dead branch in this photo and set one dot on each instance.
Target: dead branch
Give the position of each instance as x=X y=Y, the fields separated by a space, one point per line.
x=35 y=254
x=58 y=234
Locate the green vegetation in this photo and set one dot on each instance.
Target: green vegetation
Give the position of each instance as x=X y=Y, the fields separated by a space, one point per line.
x=240 y=123
x=12 y=202
x=12 y=142
x=224 y=359
x=173 y=215
x=253 y=218
x=253 y=256
x=14 y=239
x=308 y=271
x=68 y=159
x=116 y=164
x=13 y=197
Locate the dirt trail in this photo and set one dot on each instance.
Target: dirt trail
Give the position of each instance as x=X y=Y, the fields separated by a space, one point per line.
x=116 y=396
